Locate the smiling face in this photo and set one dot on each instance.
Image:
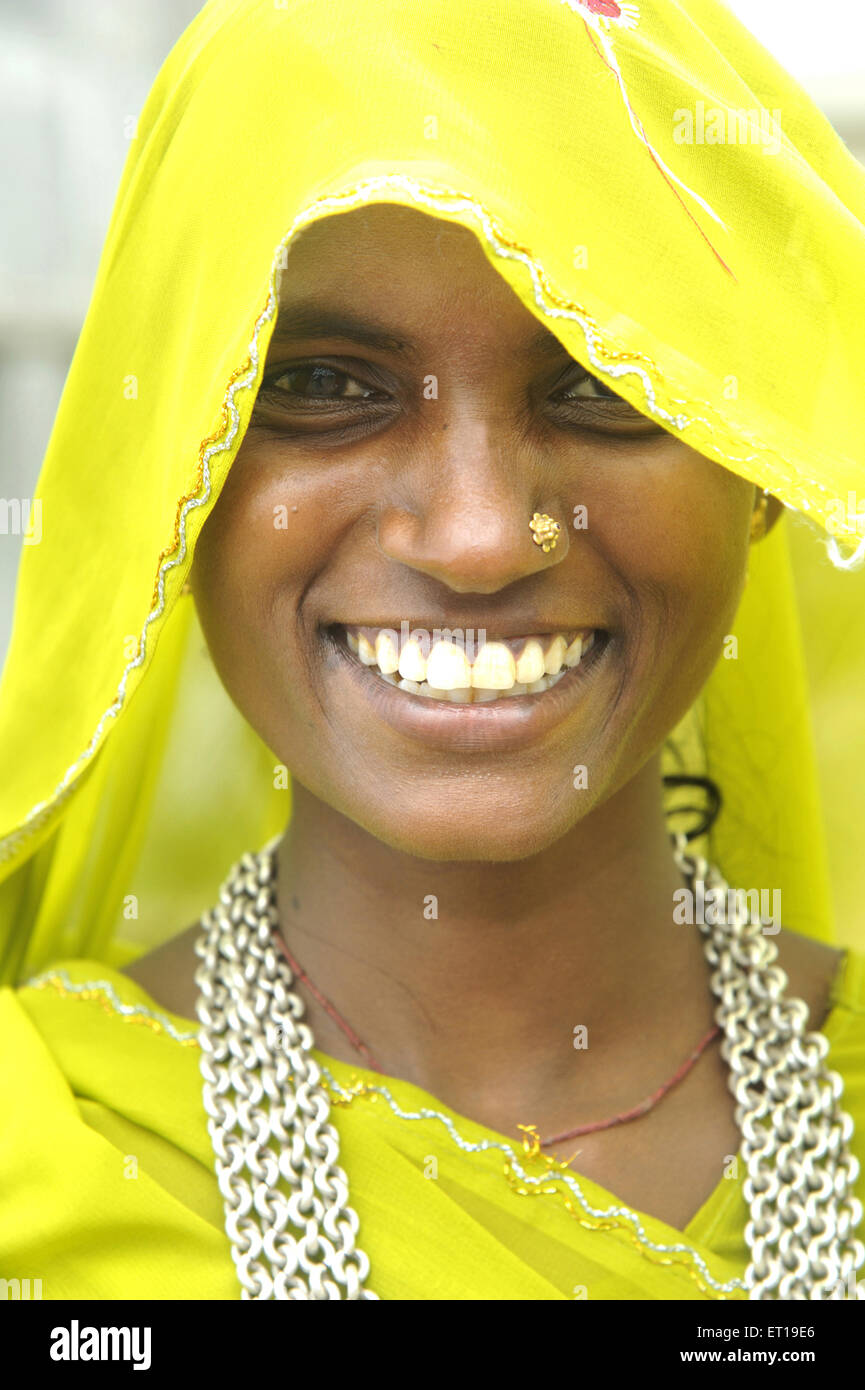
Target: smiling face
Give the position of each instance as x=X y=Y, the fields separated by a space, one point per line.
x=413 y=418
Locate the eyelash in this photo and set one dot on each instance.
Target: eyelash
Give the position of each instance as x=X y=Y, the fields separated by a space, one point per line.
x=607 y=410
x=269 y=383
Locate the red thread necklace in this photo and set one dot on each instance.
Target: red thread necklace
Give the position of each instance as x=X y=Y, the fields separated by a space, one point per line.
x=621 y=1119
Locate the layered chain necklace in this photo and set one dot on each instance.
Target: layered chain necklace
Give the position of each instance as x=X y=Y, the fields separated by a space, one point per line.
x=293 y=1233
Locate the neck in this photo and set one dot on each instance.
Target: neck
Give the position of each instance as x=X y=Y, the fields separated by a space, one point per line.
x=472 y=977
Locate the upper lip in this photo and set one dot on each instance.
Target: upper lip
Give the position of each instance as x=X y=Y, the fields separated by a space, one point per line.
x=502 y=628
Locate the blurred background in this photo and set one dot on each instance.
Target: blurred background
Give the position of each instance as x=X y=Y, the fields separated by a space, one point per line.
x=73 y=76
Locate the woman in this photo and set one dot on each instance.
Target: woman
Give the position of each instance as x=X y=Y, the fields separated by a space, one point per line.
x=412 y=529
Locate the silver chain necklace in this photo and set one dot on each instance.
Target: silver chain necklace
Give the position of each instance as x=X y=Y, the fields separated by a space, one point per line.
x=287 y=1214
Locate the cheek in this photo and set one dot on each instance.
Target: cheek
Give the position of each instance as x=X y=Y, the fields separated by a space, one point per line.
x=703 y=557
x=267 y=538
x=680 y=549
x=268 y=535
x=680 y=537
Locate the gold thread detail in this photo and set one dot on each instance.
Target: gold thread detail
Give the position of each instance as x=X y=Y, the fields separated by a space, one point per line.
x=533 y=1150
x=615 y=1221
x=213 y=438
x=102 y=995
x=214 y=444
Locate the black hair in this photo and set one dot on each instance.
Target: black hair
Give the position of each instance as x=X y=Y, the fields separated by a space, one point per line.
x=707 y=813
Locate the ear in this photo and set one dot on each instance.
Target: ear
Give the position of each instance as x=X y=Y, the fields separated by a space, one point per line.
x=773 y=511
x=763 y=518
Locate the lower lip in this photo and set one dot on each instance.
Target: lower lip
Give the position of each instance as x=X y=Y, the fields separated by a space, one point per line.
x=499 y=725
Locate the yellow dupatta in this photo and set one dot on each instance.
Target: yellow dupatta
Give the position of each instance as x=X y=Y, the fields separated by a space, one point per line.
x=96 y=690
x=717 y=285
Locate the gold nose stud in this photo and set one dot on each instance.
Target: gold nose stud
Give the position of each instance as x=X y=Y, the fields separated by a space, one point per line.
x=545 y=531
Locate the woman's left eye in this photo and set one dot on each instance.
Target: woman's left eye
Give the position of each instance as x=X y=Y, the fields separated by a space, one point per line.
x=589 y=388
x=583 y=403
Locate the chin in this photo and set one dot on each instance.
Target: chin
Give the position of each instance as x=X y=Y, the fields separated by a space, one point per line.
x=493 y=829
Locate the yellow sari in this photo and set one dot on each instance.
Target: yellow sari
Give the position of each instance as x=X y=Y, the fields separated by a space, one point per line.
x=716 y=284
x=111 y=1168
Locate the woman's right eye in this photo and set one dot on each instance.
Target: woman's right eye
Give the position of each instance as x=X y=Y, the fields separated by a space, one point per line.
x=314 y=381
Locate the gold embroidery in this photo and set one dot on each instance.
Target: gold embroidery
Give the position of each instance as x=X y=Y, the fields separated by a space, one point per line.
x=98 y=994
x=533 y=1150
x=214 y=438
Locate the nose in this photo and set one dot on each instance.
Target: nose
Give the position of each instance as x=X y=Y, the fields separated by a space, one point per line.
x=464 y=511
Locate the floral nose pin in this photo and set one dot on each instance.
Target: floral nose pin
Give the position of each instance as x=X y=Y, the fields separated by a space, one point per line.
x=545 y=531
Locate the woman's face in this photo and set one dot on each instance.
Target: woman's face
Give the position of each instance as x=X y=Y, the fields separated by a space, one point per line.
x=413 y=417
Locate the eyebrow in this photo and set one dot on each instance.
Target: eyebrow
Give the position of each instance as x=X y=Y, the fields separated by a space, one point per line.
x=300 y=322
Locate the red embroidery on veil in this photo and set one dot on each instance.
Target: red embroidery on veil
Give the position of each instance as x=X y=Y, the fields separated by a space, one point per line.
x=601 y=18
x=621 y=12
x=608 y=8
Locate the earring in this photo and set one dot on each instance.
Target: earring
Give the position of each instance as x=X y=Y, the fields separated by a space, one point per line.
x=758 y=517
x=545 y=531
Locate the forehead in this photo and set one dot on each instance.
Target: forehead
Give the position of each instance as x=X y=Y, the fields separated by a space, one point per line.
x=390 y=266
x=384 y=229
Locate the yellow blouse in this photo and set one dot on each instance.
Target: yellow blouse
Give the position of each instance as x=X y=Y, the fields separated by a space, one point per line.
x=108 y=1191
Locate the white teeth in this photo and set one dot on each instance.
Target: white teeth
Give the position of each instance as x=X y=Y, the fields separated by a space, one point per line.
x=471 y=696
x=448 y=667
x=412 y=663
x=386 y=654
x=494 y=667
x=555 y=656
x=447 y=673
x=530 y=664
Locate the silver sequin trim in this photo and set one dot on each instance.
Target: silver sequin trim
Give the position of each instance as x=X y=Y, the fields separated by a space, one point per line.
x=603 y=1212
x=467 y=1146
x=450 y=200
x=127 y=1010
x=43 y=809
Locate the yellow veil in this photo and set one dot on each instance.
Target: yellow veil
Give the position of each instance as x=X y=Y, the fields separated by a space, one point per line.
x=654 y=188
